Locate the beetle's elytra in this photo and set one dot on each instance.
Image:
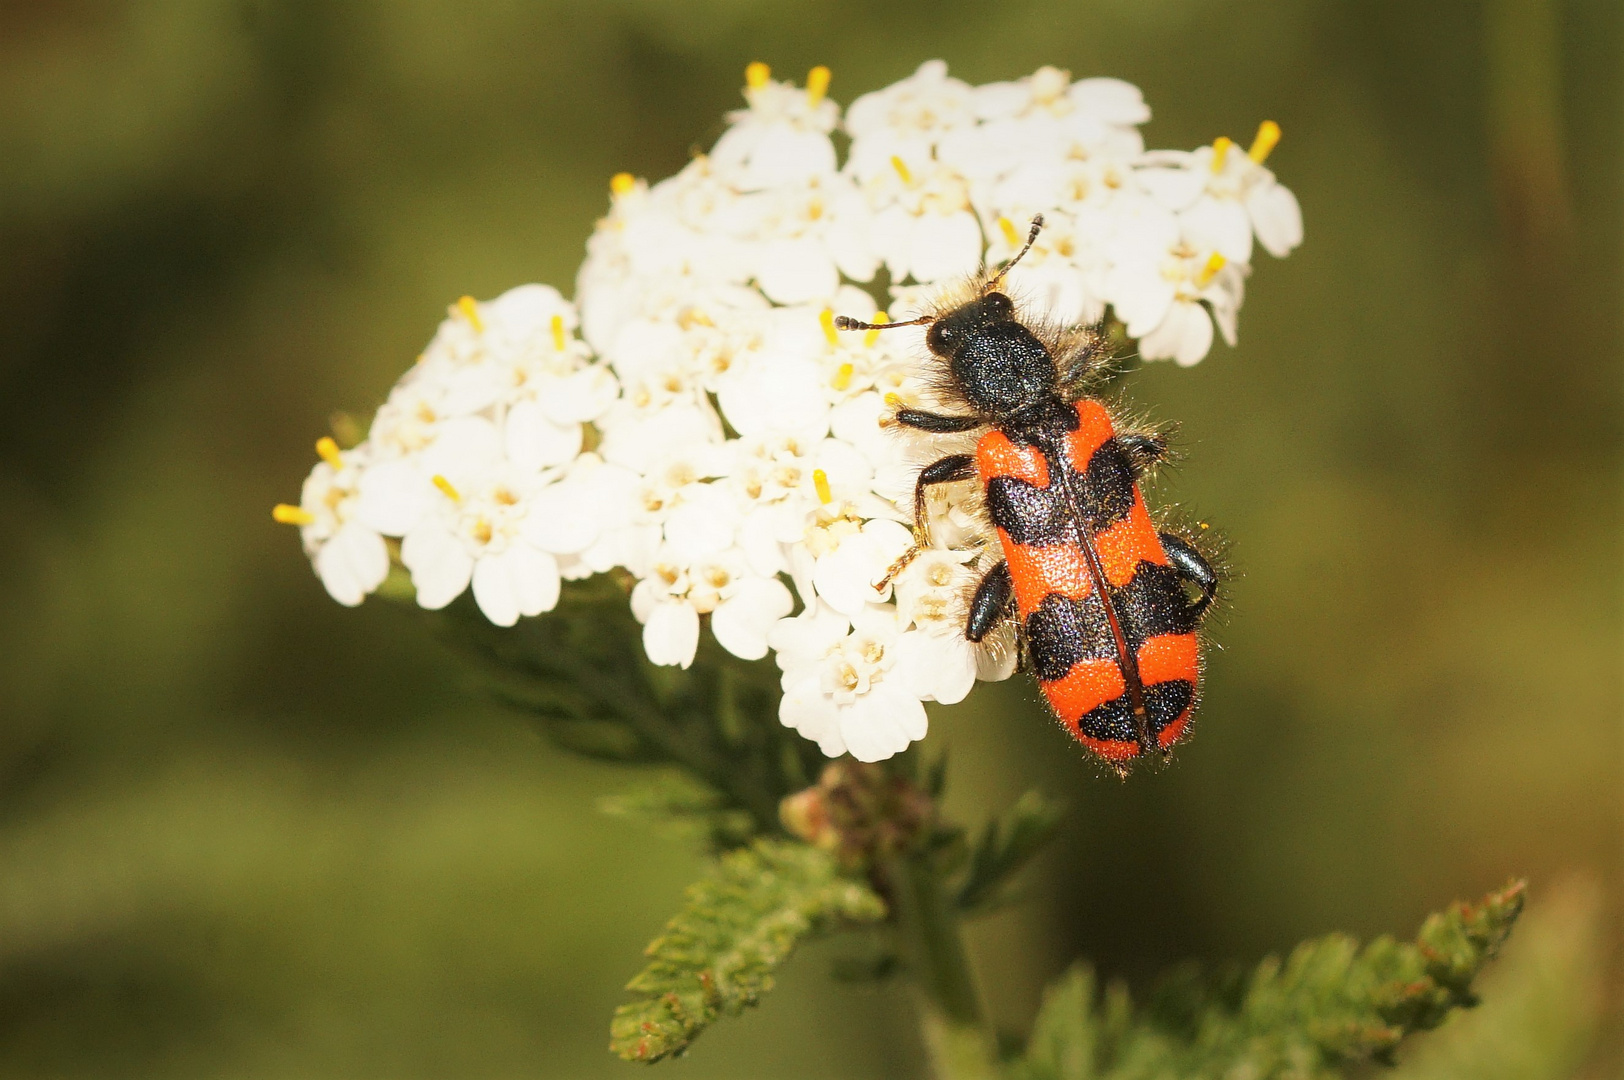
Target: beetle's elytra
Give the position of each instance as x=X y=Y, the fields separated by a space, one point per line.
x=1108 y=605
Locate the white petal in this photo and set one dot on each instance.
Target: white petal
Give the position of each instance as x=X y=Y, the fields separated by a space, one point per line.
x=742 y=621
x=1174 y=184
x=882 y=723
x=796 y=271
x=494 y=591
x=944 y=246
x=519 y=581
x=1221 y=225
x=1276 y=217
x=352 y=563
x=535 y=442
x=1111 y=100
x=809 y=636
x=580 y=396
x=561 y=520
x=671 y=635
x=704 y=524
x=464 y=450
x=1185 y=335
x=394 y=496
x=935 y=667
x=439 y=563
x=805 y=709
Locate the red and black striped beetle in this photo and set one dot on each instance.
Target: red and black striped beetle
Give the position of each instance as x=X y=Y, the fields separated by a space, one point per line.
x=1108 y=606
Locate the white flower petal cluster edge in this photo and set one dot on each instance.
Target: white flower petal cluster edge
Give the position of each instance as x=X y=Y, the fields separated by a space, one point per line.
x=695 y=419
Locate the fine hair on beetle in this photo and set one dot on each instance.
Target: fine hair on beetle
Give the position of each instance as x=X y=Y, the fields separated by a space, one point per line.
x=990 y=360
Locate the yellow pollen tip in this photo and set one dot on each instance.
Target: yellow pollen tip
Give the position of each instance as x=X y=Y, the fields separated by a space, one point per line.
x=558 y=332
x=817 y=84
x=445 y=486
x=871 y=336
x=1220 y=151
x=902 y=169
x=1268 y=134
x=820 y=481
x=469 y=307
x=622 y=183
x=286 y=514
x=327 y=447
x=1012 y=235
x=893 y=401
x=826 y=319
x=756 y=75
x=842 y=377
x=1215 y=263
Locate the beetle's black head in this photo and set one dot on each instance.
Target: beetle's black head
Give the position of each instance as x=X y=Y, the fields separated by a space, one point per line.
x=996 y=362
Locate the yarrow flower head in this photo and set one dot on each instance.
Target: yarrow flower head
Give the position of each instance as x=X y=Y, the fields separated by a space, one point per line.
x=694 y=418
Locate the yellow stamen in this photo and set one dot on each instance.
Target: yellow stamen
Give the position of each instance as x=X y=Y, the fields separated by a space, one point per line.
x=327 y=447
x=1268 y=134
x=470 y=311
x=622 y=183
x=842 y=377
x=482 y=531
x=817 y=85
x=558 y=332
x=871 y=336
x=1220 y=150
x=820 y=482
x=445 y=486
x=1215 y=263
x=893 y=400
x=757 y=74
x=902 y=169
x=826 y=319
x=285 y=514
x=1012 y=235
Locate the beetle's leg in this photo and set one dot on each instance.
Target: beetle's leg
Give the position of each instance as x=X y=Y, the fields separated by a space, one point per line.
x=944 y=470
x=990 y=605
x=1144 y=450
x=1192 y=567
x=936 y=422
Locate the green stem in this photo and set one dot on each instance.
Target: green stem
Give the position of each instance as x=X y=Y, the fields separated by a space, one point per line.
x=954 y=1026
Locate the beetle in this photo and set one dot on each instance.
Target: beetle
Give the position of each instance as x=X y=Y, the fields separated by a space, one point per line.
x=1108 y=605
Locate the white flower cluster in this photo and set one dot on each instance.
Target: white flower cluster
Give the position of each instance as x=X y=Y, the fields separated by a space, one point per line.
x=743 y=445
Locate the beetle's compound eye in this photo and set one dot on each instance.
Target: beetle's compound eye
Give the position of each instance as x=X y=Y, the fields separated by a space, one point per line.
x=942 y=338
x=997 y=305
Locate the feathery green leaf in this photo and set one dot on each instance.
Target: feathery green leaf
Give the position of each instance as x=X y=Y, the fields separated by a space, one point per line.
x=1004 y=847
x=718 y=955
x=1329 y=1004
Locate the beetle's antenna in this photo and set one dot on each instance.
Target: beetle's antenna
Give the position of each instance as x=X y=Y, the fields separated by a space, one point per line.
x=1031 y=238
x=846 y=322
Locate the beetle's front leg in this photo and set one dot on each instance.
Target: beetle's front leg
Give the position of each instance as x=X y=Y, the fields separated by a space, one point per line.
x=947 y=470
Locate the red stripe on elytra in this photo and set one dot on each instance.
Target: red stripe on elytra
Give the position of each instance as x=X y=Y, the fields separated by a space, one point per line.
x=1038 y=571
x=1127 y=543
x=1169 y=658
x=1093 y=430
x=999 y=455
x=1088 y=685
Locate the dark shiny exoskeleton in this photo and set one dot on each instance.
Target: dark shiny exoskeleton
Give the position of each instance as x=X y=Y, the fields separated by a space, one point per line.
x=1108 y=605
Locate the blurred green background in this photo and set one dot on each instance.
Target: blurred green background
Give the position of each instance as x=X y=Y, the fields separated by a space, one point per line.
x=246 y=832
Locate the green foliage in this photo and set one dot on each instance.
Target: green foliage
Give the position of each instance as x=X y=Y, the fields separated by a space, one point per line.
x=1328 y=1005
x=1006 y=845
x=717 y=956
x=1542 y=1003
x=677 y=804
x=582 y=674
